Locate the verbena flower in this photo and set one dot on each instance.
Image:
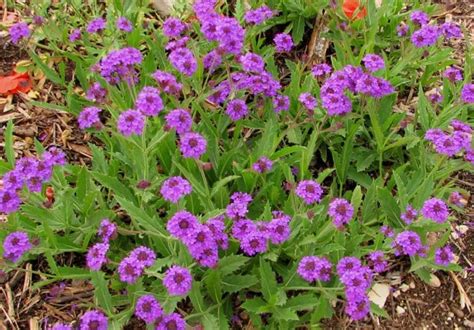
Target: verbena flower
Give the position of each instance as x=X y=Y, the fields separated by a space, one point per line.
x=54 y=156
x=436 y=97
x=183 y=60
x=402 y=29
x=230 y=35
x=119 y=65
x=373 y=62
x=171 y=321
x=212 y=60
x=129 y=270
x=192 y=145
x=148 y=309
x=93 y=320
x=61 y=326
x=281 y=103
x=27 y=166
x=313 y=268
x=173 y=27
x=149 y=101
x=180 y=120
x=426 y=36
x=467 y=93
x=174 y=44
x=38 y=20
x=13 y=180
x=96 y=25
x=124 y=24
x=75 y=35
x=9 y=201
x=358 y=307
x=107 y=230
x=419 y=17
x=262 y=165
x=236 y=109
x=167 y=82
x=310 y=191
x=131 y=122
x=452 y=74
x=15 y=245
x=320 y=70
x=409 y=215
x=378 y=262
x=253 y=243
x=177 y=281
x=435 y=209
x=283 y=42
x=408 y=243
x=96 y=256
x=341 y=212
x=143 y=256
x=220 y=92
x=217 y=227
x=175 y=188
x=242 y=227
x=238 y=207
x=96 y=93
x=89 y=117
x=252 y=62
x=387 y=231
x=181 y=224
x=457 y=199
x=347 y=264
x=451 y=30
x=308 y=101
x=18 y=32
x=258 y=15
x=444 y=256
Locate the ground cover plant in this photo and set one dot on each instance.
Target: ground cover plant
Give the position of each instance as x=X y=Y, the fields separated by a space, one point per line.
x=228 y=175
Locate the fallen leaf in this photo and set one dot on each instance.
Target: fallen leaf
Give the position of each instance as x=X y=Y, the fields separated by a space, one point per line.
x=379 y=293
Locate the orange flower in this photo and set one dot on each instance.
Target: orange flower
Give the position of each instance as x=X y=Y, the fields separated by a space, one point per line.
x=351 y=6
x=14 y=83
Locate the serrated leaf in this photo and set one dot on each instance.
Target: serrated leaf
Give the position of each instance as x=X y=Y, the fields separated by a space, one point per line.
x=101 y=292
x=235 y=283
x=230 y=264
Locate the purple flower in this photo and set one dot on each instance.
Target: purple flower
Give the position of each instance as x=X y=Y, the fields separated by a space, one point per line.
x=172 y=321
x=347 y=264
x=96 y=93
x=167 y=82
x=96 y=25
x=107 y=230
x=358 y=307
x=243 y=227
x=177 y=43
x=419 y=17
x=177 y=281
x=143 y=256
x=9 y=201
x=131 y=122
x=469 y=156
x=259 y=15
x=149 y=101
x=173 y=27
x=387 y=231
x=221 y=92
x=238 y=207
x=310 y=191
x=148 y=309
x=262 y=165
x=436 y=210
x=436 y=97
x=402 y=29
x=457 y=199
x=444 y=256
x=373 y=86
x=129 y=270
x=181 y=224
x=119 y=65
x=357 y=280
x=281 y=103
x=61 y=326
x=54 y=156
x=124 y=24
x=451 y=30
x=13 y=180
x=19 y=31
x=93 y=320
x=230 y=35
x=320 y=70
x=175 y=188
x=283 y=42
x=341 y=212
x=38 y=20
x=252 y=63
x=377 y=259
x=96 y=256
x=426 y=36
x=373 y=62
x=75 y=35
x=253 y=243
x=212 y=60
x=236 y=109
x=308 y=101
x=192 y=145
x=409 y=215
x=183 y=60
x=180 y=120
x=89 y=117
x=217 y=227
x=452 y=74
x=15 y=245
x=313 y=268
x=409 y=243
x=467 y=93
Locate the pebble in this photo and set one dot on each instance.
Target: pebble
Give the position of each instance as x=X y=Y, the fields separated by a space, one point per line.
x=459 y=313
x=396 y=294
x=450 y=315
x=400 y=310
x=404 y=287
x=469 y=324
x=412 y=285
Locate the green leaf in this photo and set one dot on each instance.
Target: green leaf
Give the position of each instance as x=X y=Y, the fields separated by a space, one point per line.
x=302 y=302
x=231 y=263
x=221 y=183
x=267 y=280
x=101 y=291
x=285 y=314
x=115 y=186
x=235 y=283
x=9 y=152
x=48 y=72
x=214 y=285
x=379 y=311
x=256 y=305
x=389 y=207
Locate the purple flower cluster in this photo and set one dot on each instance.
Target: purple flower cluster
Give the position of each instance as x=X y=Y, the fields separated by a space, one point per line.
x=177 y=281
x=450 y=144
x=435 y=209
x=61 y=326
x=132 y=266
x=75 y=35
x=452 y=74
x=124 y=24
x=283 y=42
x=93 y=320
x=119 y=65
x=467 y=93
x=180 y=120
x=444 y=256
x=262 y=165
x=258 y=15
x=96 y=93
x=171 y=321
x=312 y=268
x=131 y=122
x=173 y=27
x=175 y=188
x=149 y=101
x=212 y=60
x=341 y=212
x=183 y=60
x=89 y=117
x=167 y=82
x=419 y=17
x=96 y=25
x=310 y=191
x=30 y=173
x=15 y=245
x=107 y=230
x=192 y=145
x=377 y=261
x=457 y=199
x=373 y=62
x=19 y=31
x=428 y=35
x=320 y=70
x=357 y=279
x=148 y=309
x=409 y=215
x=408 y=243
x=308 y=101
x=236 y=109
x=96 y=256
x=238 y=207
x=281 y=103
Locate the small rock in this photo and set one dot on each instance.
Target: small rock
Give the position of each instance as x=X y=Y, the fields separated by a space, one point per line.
x=434 y=281
x=404 y=287
x=459 y=313
x=450 y=314
x=400 y=310
x=379 y=293
x=396 y=294
x=462 y=229
x=469 y=324
x=412 y=285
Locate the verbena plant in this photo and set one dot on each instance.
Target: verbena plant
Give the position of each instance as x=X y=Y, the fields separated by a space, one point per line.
x=227 y=178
